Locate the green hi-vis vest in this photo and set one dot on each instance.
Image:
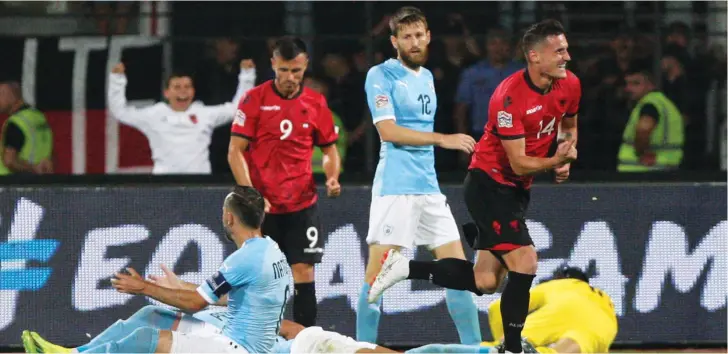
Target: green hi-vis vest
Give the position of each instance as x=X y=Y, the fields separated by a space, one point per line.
x=666 y=140
x=38 y=137
x=318 y=156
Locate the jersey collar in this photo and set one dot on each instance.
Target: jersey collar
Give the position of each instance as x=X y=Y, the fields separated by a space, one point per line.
x=415 y=72
x=533 y=86
x=275 y=89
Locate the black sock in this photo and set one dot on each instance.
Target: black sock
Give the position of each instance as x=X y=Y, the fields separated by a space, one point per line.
x=304 y=304
x=514 y=308
x=451 y=273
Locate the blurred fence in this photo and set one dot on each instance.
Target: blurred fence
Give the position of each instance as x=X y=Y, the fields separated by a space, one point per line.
x=346 y=39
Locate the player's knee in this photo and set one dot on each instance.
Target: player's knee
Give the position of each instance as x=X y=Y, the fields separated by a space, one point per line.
x=486 y=282
x=522 y=260
x=303 y=273
x=146 y=312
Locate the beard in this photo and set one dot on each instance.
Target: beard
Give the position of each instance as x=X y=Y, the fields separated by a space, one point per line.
x=414 y=60
x=228 y=233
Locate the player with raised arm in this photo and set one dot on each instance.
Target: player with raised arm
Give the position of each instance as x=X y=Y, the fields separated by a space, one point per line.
x=179 y=130
x=254 y=283
x=276 y=128
x=407 y=208
x=526 y=113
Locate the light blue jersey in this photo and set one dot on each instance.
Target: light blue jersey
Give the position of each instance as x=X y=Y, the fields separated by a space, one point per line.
x=216 y=317
x=257 y=279
x=408 y=97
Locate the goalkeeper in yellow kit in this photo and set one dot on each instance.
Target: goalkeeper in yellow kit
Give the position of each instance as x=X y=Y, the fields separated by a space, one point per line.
x=565 y=315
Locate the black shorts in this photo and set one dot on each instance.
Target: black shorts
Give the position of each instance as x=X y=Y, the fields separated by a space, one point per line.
x=298 y=234
x=498 y=211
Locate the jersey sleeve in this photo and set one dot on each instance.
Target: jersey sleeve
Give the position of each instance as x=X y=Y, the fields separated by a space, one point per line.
x=379 y=95
x=573 y=108
x=245 y=123
x=326 y=133
x=506 y=116
x=237 y=270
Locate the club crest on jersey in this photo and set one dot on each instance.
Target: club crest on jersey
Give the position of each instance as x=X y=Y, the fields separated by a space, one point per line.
x=505 y=120
x=239 y=118
x=381 y=101
x=193 y=118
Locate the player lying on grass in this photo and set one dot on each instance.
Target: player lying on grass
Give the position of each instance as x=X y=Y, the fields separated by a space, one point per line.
x=255 y=278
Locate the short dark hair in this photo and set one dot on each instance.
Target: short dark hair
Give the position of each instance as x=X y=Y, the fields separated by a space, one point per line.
x=177 y=75
x=289 y=47
x=247 y=205
x=538 y=33
x=640 y=67
x=406 y=16
x=566 y=272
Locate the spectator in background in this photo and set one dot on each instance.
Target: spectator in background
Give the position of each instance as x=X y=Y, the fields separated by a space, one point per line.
x=348 y=100
x=605 y=104
x=654 y=136
x=453 y=51
x=215 y=81
x=27 y=139
x=321 y=87
x=179 y=130
x=478 y=83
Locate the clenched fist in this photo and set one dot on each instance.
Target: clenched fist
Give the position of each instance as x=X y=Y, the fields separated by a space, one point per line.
x=118 y=68
x=247 y=64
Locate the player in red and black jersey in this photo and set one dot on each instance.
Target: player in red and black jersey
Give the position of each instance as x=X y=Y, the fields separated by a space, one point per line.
x=526 y=113
x=275 y=130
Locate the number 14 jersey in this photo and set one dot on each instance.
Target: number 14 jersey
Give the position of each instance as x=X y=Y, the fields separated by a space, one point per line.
x=282 y=134
x=519 y=109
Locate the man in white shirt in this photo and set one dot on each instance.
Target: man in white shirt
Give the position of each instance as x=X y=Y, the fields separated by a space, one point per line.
x=179 y=130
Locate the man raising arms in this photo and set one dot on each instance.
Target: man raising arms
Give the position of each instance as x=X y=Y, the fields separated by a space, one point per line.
x=276 y=127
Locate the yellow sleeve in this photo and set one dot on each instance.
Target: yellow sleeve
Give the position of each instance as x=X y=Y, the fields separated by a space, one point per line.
x=495 y=319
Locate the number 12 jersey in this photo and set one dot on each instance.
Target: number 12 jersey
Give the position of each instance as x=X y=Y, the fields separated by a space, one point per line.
x=282 y=134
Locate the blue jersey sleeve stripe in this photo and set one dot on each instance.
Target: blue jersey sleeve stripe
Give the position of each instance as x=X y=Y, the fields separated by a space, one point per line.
x=206 y=293
x=387 y=117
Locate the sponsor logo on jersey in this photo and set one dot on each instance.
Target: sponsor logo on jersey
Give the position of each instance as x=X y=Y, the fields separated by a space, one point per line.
x=534 y=109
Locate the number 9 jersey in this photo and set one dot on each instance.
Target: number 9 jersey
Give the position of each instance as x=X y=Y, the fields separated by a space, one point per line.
x=518 y=109
x=282 y=134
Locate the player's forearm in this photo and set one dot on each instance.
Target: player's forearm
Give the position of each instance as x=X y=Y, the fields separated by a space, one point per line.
x=404 y=136
x=527 y=165
x=331 y=162
x=186 y=300
x=239 y=166
x=569 y=130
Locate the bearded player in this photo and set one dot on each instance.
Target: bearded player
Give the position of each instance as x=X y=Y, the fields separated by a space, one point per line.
x=526 y=113
x=407 y=208
x=276 y=128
